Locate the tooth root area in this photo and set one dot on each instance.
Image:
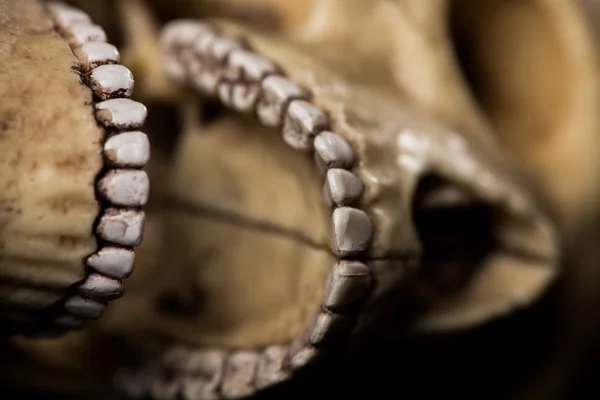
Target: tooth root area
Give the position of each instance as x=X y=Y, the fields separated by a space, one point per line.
x=352 y=231
x=110 y=81
x=239 y=374
x=333 y=151
x=348 y=283
x=129 y=149
x=303 y=121
x=122 y=227
x=327 y=327
x=121 y=114
x=125 y=187
x=251 y=66
x=80 y=33
x=100 y=287
x=65 y=16
x=112 y=261
x=277 y=92
x=270 y=369
x=93 y=54
x=343 y=186
x=84 y=308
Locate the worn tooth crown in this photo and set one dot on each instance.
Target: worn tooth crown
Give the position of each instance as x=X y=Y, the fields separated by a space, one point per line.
x=129 y=149
x=125 y=187
x=121 y=114
x=239 y=374
x=277 y=92
x=348 y=283
x=79 y=33
x=100 y=287
x=303 y=121
x=122 y=227
x=333 y=151
x=343 y=186
x=94 y=54
x=116 y=262
x=110 y=81
x=352 y=231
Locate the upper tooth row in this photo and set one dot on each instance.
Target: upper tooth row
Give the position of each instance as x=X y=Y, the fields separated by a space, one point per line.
x=126 y=150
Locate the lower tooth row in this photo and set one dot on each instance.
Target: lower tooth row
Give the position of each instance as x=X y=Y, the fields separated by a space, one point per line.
x=124 y=187
x=218 y=65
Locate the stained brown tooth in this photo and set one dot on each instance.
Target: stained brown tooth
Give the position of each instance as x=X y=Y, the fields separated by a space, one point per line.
x=277 y=92
x=79 y=33
x=270 y=367
x=348 y=283
x=125 y=187
x=111 y=81
x=100 y=287
x=84 y=308
x=239 y=374
x=343 y=186
x=121 y=114
x=333 y=151
x=302 y=123
x=115 y=262
x=122 y=227
x=352 y=231
x=94 y=54
x=129 y=149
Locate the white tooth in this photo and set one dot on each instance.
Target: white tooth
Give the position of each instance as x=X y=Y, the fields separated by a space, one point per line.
x=207 y=81
x=94 y=54
x=115 y=262
x=270 y=368
x=239 y=374
x=333 y=151
x=174 y=68
x=222 y=46
x=65 y=16
x=343 y=186
x=348 y=283
x=100 y=287
x=244 y=97
x=352 y=231
x=183 y=32
x=129 y=149
x=109 y=81
x=84 y=308
x=225 y=93
x=277 y=92
x=252 y=65
x=302 y=122
x=121 y=114
x=124 y=227
x=69 y=322
x=80 y=33
x=125 y=187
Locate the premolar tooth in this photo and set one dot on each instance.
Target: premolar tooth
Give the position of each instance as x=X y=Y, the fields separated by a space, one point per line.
x=352 y=231
x=110 y=81
x=129 y=149
x=94 y=54
x=121 y=114
x=122 y=227
x=348 y=283
x=343 y=186
x=100 y=287
x=85 y=308
x=327 y=327
x=277 y=92
x=333 y=151
x=79 y=33
x=125 y=187
x=112 y=261
x=239 y=374
x=302 y=122
x=65 y=16
x=270 y=367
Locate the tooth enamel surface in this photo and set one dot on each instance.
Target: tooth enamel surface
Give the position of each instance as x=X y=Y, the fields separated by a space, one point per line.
x=183 y=32
x=80 y=33
x=94 y=54
x=239 y=375
x=109 y=81
x=333 y=151
x=125 y=187
x=122 y=227
x=327 y=327
x=303 y=121
x=352 y=231
x=344 y=187
x=84 y=308
x=348 y=283
x=115 y=262
x=66 y=16
x=251 y=65
x=129 y=149
x=121 y=114
x=300 y=354
x=244 y=97
x=221 y=47
x=100 y=287
x=270 y=367
x=277 y=91
x=206 y=369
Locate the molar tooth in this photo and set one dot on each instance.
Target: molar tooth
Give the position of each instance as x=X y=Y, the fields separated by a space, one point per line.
x=277 y=92
x=65 y=16
x=239 y=374
x=110 y=81
x=124 y=227
x=121 y=114
x=302 y=122
x=125 y=187
x=183 y=32
x=244 y=97
x=352 y=231
x=225 y=93
x=68 y=322
x=349 y=282
x=129 y=149
x=85 y=308
x=222 y=46
x=94 y=54
x=112 y=261
x=100 y=287
x=343 y=186
x=270 y=367
x=327 y=327
x=333 y=151
x=79 y=33
x=206 y=373
x=252 y=66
